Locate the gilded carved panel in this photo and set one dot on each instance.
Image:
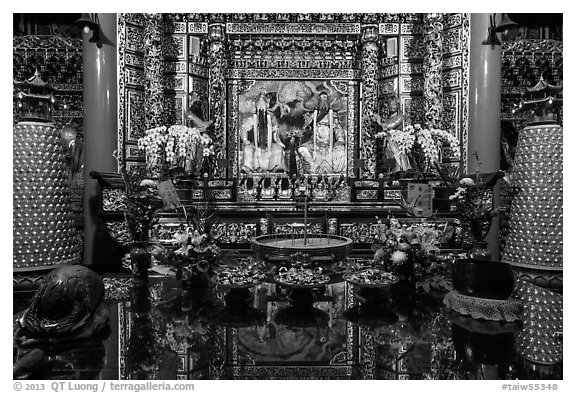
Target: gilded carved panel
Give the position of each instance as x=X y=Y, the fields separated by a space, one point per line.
x=134 y=38
x=452 y=79
x=174 y=82
x=197 y=27
x=135 y=77
x=174 y=46
x=174 y=66
x=135 y=120
x=291 y=49
x=121 y=38
x=282 y=73
x=173 y=109
x=293 y=28
x=413 y=109
x=388 y=29
x=412 y=48
x=451 y=112
x=175 y=27
x=134 y=60
x=452 y=40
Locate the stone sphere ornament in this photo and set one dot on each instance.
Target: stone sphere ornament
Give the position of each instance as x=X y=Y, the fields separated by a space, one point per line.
x=67 y=306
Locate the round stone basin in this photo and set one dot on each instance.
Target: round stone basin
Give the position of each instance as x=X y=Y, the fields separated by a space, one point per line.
x=320 y=247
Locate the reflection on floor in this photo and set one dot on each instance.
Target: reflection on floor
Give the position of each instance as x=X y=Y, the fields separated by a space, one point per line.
x=162 y=331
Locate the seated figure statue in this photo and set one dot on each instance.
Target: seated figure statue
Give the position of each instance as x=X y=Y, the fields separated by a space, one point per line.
x=394 y=122
x=262 y=148
x=325 y=152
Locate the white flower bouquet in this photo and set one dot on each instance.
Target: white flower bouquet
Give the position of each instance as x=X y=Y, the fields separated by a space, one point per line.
x=176 y=150
x=430 y=141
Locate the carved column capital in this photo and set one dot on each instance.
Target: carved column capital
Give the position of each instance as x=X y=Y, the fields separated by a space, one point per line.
x=216 y=32
x=157 y=16
x=369 y=34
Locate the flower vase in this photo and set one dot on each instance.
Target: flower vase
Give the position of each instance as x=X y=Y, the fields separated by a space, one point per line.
x=441 y=200
x=140 y=261
x=184 y=189
x=196 y=280
x=192 y=278
x=480 y=251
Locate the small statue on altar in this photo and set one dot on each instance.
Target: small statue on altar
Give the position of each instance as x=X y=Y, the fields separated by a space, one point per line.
x=261 y=144
x=325 y=152
x=394 y=122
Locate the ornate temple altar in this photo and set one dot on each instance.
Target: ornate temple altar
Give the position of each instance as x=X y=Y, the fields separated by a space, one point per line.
x=219 y=64
x=291 y=98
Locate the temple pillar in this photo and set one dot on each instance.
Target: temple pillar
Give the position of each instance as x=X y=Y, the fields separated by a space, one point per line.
x=368 y=99
x=217 y=90
x=484 y=111
x=433 y=70
x=153 y=92
x=100 y=124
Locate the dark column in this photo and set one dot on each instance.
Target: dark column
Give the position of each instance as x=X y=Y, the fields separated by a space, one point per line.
x=484 y=113
x=100 y=124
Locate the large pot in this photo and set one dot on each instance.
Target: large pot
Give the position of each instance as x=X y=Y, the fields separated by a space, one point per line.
x=483 y=279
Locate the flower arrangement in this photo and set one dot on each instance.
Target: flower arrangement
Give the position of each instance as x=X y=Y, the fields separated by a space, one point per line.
x=411 y=252
x=423 y=145
x=190 y=254
x=177 y=150
x=472 y=202
x=142 y=203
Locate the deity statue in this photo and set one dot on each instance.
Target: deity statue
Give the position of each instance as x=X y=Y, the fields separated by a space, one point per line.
x=262 y=147
x=394 y=122
x=325 y=152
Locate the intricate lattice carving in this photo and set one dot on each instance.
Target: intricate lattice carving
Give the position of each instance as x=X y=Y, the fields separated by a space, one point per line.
x=134 y=39
x=153 y=70
x=433 y=70
x=217 y=93
x=234 y=90
x=352 y=126
x=465 y=73
x=135 y=125
x=369 y=99
x=293 y=28
x=281 y=73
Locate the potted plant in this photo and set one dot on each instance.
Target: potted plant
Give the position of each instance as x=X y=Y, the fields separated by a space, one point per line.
x=141 y=206
x=478 y=275
x=178 y=154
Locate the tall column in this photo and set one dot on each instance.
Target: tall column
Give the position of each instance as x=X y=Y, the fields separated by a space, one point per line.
x=369 y=40
x=100 y=124
x=153 y=95
x=433 y=70
x=217 y=90
x=484 y=112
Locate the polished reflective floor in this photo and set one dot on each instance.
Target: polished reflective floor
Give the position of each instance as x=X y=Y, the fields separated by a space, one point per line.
x=161 y=330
